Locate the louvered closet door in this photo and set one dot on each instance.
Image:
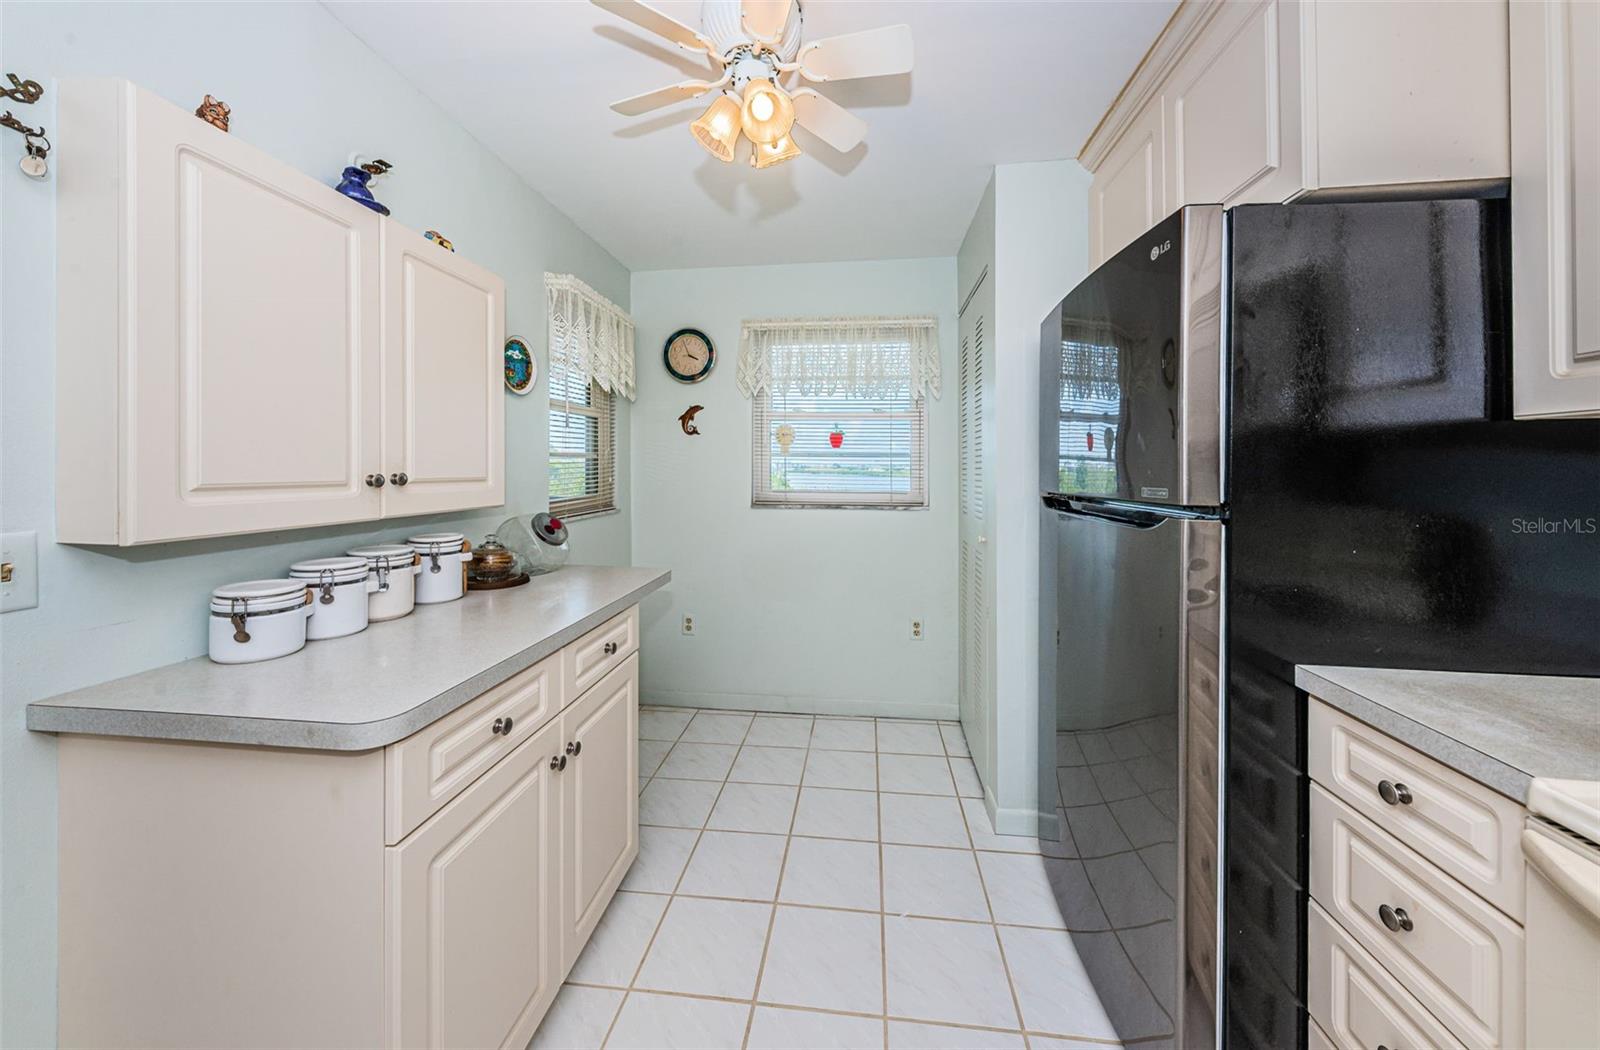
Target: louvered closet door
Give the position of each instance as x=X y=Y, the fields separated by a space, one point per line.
x=974 y=612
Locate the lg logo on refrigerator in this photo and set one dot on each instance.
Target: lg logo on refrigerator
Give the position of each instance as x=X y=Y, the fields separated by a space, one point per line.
x=1158 y=250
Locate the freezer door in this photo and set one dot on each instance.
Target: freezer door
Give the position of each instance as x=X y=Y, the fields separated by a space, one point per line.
x=1137 y=605
x=1132 y=372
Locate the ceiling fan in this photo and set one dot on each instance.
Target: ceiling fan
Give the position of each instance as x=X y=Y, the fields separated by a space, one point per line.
x=756 y=44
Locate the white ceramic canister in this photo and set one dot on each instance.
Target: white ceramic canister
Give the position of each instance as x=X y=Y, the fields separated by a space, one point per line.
x=394 y=568
x=339 y=589
x=259 y=620
x=442 y=576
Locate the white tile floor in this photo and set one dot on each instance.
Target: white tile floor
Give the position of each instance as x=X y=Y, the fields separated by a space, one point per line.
x=831 y=882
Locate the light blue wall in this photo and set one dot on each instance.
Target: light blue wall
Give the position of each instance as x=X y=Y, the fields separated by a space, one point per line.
x=308 y=92
x=805 y=610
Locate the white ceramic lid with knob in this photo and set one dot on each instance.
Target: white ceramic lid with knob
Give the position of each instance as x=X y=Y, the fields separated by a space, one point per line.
x=343 y=569
x=258 y=596
x=396 y=554
x=443 y=542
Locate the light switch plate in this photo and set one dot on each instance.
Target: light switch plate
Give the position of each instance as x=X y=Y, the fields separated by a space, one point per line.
x=19 y=551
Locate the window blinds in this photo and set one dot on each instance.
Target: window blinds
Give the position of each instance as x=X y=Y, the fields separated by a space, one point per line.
x=583 y=461
x=839 y=415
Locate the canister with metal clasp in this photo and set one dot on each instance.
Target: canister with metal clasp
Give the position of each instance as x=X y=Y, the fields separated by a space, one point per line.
x=259 y=620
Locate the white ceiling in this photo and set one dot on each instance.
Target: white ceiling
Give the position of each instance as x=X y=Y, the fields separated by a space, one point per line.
x=995 y=82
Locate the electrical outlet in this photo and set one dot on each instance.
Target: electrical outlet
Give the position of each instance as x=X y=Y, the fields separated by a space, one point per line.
x=19 y=571
x=688 y=625
x=916 y=630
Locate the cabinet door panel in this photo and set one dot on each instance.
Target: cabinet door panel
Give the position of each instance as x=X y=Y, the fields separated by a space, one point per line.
x=600 y=826
x=444 y=414
x=253 y=391
x=1127 y=196
x=473 y=899
x=1555 y=213
x=1233 y=110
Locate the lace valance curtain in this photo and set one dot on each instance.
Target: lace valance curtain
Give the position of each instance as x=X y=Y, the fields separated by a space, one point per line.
x=589 y=334
x=860 y=356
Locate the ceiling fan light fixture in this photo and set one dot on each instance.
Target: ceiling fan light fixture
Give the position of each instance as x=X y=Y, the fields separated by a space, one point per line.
x=718 y=128
x=767 y=113
x=769 y=153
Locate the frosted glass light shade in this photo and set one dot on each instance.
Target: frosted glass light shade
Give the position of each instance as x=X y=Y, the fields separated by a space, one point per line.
x=768 y=112
x=718 y=128
x=769 y=153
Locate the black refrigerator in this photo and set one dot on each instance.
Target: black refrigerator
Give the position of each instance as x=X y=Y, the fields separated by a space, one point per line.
x=1343 y=371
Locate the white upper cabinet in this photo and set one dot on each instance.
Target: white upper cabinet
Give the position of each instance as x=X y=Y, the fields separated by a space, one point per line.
x=1128 y=195
x=1555 y=213
x=222 y=347
x=444 y=329
x=1261 y=101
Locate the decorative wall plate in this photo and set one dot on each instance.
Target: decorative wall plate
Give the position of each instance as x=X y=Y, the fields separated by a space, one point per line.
x=688 y=355
x=522 y=368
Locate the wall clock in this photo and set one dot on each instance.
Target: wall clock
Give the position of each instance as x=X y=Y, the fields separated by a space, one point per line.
x=689 y=355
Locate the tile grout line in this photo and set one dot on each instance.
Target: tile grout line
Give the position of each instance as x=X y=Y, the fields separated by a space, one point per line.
x=777 y=894
x=883 y=903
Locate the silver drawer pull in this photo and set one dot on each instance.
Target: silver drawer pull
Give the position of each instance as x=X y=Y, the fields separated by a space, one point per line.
x=1394 y=918
x=558 y=763
x=502 y=726
x=574 y=748
x=1394 y=794
x=610 y=648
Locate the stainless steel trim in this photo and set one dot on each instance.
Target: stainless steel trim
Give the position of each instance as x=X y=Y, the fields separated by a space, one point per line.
x=1200 y=644
x=1200 y=413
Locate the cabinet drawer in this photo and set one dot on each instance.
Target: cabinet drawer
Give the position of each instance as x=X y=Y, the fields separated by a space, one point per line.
x=593 y=656
x=1457 y=823
x=1354 y=1002
x=429 y=768
x=1460 y=957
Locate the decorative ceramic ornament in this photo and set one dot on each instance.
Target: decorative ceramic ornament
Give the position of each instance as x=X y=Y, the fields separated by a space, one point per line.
x=688 y=355
x=785 y=436
x=355 y=178
x=438 y=238
x=522 y=368
x=686 y=421
x=214 y=112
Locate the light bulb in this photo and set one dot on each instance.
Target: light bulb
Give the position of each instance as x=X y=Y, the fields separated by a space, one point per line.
x=768 y=112
x=769 y=153
x=717 y=129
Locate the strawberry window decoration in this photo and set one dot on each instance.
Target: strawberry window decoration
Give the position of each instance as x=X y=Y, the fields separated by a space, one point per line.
x=836 y=439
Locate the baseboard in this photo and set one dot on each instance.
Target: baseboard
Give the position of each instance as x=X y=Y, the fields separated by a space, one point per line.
x=802 y=705
x=1027 y=823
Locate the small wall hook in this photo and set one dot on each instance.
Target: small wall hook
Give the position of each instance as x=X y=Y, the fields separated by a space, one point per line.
x=26 y=92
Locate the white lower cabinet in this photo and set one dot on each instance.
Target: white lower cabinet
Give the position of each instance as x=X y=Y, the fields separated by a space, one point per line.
x=599 y=801
x=1413 y=935
x=432 y=893
x=473 y=897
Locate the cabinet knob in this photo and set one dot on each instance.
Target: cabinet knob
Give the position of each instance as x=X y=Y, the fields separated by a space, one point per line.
x=502 y=726
x=558 y=763
x=1394 y=794
x=574 y=747
x=1394 y=918
x=399 y=479
x=610 y=648
x=375 y=481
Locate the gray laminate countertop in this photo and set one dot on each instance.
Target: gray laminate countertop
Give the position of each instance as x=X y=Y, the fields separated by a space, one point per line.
x=1502 y=730
x=365 y=690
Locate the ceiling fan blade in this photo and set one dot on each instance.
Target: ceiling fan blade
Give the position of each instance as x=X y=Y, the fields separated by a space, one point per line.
x=632 y=107
x=765 y=19
x=872 y=53
x=828 y=120
x=646 y=17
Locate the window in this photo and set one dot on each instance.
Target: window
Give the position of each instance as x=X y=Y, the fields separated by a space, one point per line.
x=839 y=419
x=583 y=464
